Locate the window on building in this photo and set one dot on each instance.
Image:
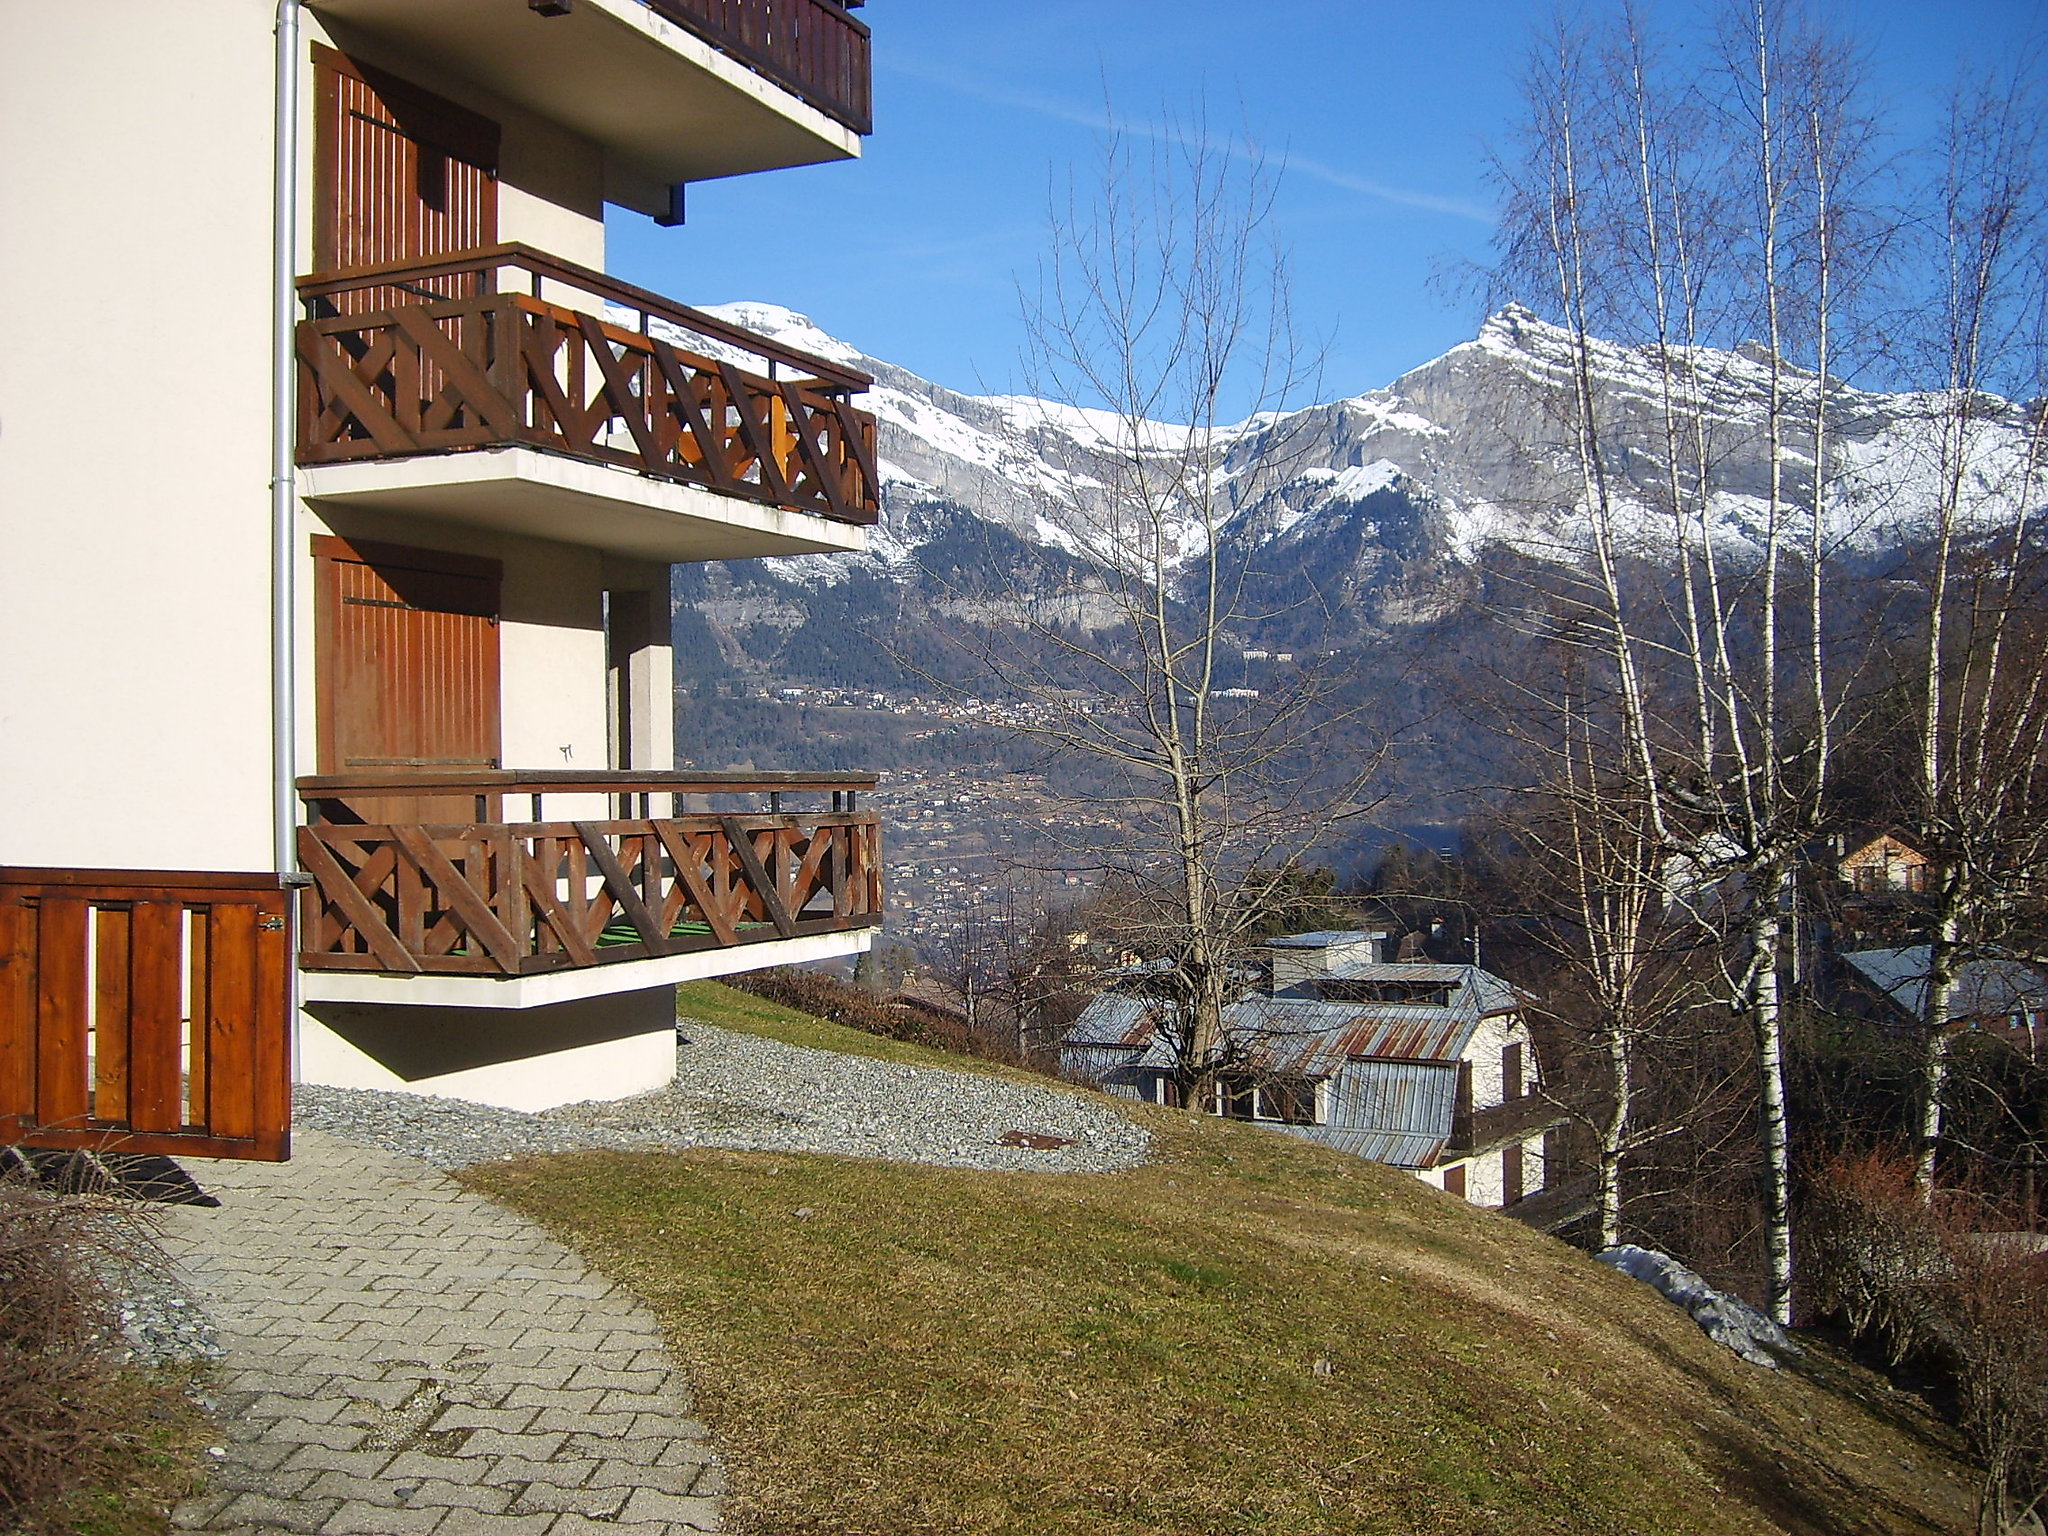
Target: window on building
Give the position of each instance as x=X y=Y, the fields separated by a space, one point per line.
x=1290 y=1100
x=1237 y=1098
x=1454 y=1180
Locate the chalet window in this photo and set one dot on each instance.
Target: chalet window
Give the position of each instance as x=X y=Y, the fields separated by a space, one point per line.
x=1237 y=1098
x=1511 y=1071
x=1454 y=1181
x=1511 y=1173
x=1291 y=1101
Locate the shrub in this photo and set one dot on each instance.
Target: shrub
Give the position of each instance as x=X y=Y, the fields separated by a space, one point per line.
x=842 y=1003
x=78 y=1431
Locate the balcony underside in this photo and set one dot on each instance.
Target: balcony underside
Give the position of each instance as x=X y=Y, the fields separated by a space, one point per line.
x=567 y=986
x=668 y=105
x=551 y=496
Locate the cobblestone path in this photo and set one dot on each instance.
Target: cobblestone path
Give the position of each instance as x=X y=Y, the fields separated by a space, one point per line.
x=406 y=1359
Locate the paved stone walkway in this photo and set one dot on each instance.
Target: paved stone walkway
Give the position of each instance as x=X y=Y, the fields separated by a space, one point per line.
x=405 y=1359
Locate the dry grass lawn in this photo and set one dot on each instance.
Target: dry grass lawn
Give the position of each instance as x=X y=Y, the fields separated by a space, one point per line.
x=1249 y=1335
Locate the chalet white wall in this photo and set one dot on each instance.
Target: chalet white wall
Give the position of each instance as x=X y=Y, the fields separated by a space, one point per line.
x=600 y=1048
x=134 y=433
x=1491 y=1039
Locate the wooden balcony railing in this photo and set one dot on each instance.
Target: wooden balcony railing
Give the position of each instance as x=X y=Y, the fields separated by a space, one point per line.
x=506 y=345
x=811 y=48
x=142 y=1011
x=499 y=898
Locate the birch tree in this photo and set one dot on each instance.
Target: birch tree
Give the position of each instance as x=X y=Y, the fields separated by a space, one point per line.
x=1665 y=219
x=1977 y=790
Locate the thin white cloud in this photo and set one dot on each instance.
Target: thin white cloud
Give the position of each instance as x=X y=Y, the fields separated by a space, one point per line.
x=1099 y=120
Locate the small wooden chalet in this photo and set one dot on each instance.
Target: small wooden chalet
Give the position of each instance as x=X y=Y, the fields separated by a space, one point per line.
x=1426 y=1067
x=1884 y=865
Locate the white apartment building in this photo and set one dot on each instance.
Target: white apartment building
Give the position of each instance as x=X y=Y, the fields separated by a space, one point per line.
x=338 y=491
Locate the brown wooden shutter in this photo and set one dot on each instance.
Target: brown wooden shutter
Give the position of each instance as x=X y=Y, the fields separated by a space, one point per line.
x=406 y=661
x=402 y=174
x=1511 y=1173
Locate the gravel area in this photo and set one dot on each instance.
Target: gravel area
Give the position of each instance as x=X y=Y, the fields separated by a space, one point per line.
x=750 y=1094
x=161 y=1321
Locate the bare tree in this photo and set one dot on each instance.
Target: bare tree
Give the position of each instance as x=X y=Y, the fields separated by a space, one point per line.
x=1160 y=331
x=1653 y=219
x=1980 y=772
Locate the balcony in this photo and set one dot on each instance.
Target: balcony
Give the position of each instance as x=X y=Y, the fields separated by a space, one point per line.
x=611 y=897
x=673 y=90
x=509 y=389
x=811 y=48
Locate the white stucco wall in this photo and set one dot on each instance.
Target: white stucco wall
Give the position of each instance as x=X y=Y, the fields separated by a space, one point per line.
x=135 y=409
x=1489 y=1041
x=134 y=434
x=600 y=1048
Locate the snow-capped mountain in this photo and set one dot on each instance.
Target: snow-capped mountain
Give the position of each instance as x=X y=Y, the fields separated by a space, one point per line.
x=1387 y=508
x=1476 y=443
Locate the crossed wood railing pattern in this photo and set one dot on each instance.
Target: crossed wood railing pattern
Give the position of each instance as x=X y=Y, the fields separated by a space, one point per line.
x=511 y=899
x=144 y=1011
x=438 y=356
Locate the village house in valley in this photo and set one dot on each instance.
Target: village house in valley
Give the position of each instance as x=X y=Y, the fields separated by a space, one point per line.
x=337 y=738
x=1427 y=1067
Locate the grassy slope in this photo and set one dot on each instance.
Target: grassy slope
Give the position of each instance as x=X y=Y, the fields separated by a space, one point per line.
x=730 y=1008
x=1248 y=1335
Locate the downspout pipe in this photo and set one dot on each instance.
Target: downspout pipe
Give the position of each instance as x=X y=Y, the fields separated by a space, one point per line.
x=284 y=495
x=284 y=236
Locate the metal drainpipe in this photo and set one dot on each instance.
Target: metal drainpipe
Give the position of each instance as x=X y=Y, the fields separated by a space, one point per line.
x=284 y=806
x=283 y=433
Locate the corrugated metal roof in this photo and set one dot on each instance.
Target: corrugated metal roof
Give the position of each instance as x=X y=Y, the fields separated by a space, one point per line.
x=1115 y=1019
x=1303 y=1037
x=1313 y=1039
x=1381 y=1146
x=1470 y=986
x=1984 y=988
x=1326 y=938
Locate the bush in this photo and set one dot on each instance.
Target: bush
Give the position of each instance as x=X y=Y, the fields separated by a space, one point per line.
x=1942 y=1280
x=824 y=997
x=76 y=1428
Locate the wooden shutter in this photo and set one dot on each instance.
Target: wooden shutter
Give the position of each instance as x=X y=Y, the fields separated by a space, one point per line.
x=401 y=173
x=406 y=661
x=1511 y=1173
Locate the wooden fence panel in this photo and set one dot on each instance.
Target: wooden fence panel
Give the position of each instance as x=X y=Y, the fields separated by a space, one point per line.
x=145 y=1012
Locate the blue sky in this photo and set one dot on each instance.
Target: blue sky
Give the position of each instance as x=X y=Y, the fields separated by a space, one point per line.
x=1381 y=110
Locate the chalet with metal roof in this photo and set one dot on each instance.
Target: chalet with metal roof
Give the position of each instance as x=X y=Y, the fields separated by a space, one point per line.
x=2005 y=997
x=1427 y=1067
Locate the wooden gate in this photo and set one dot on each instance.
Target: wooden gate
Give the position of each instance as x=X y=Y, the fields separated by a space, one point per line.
x=146 y=1012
